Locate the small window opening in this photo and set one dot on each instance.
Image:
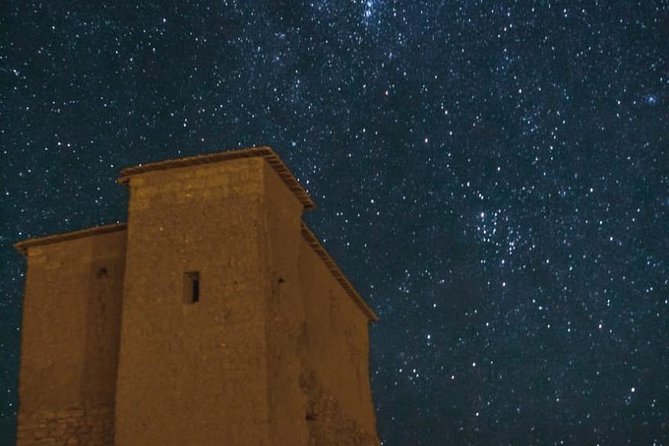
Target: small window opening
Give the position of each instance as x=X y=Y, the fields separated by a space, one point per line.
x=191 y=287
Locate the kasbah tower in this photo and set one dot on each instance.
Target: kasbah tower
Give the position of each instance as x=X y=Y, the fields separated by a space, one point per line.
x=213 y=317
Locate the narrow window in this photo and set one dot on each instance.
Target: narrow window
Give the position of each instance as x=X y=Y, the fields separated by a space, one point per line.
x=191 y=287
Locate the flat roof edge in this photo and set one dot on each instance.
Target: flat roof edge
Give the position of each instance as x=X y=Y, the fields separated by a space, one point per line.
x=23 y=245
x=265 y=152
x=320 y=250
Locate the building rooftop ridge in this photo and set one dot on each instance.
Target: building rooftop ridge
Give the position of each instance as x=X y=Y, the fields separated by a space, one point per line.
x=334 y=269
x=30 y=242
x=266 y=152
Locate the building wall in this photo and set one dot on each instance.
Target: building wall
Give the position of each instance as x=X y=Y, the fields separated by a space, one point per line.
x=194 y=374
x=336 y=379
x=275 y=351
x=286 y=352
x=69 y=341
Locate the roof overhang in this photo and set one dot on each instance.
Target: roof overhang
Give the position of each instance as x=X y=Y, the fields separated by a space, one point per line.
x=264 y=152
x=23 y=245
x=337 y=273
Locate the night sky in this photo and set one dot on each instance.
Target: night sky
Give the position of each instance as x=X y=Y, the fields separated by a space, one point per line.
x=492 y=176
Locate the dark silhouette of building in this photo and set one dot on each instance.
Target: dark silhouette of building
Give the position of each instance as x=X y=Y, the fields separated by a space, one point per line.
x=214 y=316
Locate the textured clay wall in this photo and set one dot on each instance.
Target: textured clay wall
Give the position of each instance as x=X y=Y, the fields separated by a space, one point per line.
x=69 y=341
x=336 y=379
x=286 y=349
x=194 y=374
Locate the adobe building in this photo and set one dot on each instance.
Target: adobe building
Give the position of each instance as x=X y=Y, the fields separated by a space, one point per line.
x=213 y=317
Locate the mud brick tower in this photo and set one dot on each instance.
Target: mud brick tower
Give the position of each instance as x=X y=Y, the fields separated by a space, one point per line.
x=214 y=316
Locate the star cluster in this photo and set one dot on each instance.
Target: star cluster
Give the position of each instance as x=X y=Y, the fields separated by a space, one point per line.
x=493 y=177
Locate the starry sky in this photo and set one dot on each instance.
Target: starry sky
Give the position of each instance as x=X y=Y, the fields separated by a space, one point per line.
x=492 y=176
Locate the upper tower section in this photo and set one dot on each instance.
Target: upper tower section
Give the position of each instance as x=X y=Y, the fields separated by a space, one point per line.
x=203 y=233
